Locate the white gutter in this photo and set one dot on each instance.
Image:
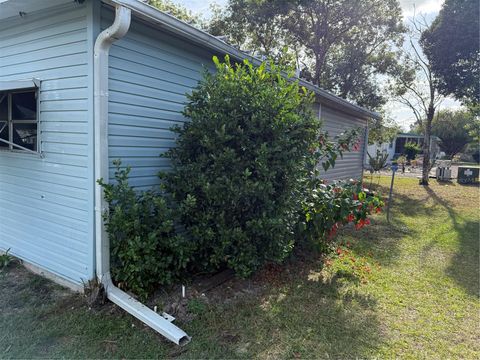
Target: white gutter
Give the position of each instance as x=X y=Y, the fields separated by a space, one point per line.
x=103 y=42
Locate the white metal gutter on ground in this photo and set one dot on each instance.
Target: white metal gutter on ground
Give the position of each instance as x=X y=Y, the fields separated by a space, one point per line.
x=103 y=42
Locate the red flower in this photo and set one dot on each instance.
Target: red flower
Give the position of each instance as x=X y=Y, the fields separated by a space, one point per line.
x=339 y=251
x=350 y=217
x=367 y=222
x=360 y=224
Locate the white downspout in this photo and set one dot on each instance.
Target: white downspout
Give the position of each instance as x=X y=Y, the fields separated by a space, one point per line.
x=102 y=45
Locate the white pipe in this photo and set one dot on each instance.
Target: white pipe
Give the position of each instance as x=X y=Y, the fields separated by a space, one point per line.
x=103 y=42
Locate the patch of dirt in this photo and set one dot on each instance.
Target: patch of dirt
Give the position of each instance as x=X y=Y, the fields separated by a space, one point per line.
x=224 y=288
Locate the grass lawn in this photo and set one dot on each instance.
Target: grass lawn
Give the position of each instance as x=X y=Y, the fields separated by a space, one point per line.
x=409 y=289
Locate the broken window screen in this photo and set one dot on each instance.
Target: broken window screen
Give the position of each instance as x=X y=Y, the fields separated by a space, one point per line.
x=19 y=120
x=25 y=134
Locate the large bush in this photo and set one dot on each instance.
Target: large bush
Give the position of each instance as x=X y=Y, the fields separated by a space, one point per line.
x=242 y=164
x=238 y=165
x=145 y=250
x=244 y=179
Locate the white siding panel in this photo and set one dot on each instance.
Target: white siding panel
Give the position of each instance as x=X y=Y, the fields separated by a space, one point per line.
x=46 y=214
x=335 y=122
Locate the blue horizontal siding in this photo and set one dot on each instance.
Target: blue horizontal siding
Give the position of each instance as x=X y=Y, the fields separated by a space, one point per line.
x=150 y=73
x=351 y=165
x=45 y=203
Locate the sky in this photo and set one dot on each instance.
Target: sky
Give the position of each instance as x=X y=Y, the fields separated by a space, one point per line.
x=400 y=113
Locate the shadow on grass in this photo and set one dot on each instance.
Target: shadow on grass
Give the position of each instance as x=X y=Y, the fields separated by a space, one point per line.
x=464 y=267
x=301 y=318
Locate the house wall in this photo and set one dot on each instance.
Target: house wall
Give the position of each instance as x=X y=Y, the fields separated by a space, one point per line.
x=149 y=74
x=335 y=122
x=389 y=148
x=46 y=204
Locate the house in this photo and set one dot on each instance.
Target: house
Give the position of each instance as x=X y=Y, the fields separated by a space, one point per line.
x=85 y=82
x=396 y=147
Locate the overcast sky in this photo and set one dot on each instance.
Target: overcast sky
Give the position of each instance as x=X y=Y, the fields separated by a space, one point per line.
x=402 y=115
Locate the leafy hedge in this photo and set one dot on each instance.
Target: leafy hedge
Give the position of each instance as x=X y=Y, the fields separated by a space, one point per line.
x=243 y=184
x=238 y=166
x=145 y=249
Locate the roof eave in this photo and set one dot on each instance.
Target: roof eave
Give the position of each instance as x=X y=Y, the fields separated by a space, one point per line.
x=178 y=27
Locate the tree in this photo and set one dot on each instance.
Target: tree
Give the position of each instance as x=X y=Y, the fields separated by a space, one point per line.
x=473 y=129
x=180 y=12
x=415 y=87
x=338 y=45
x=451 y=44
x=382 y=131
x=452 y=129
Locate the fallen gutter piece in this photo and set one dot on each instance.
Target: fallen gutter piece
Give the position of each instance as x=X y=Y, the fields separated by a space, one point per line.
x=103 y=42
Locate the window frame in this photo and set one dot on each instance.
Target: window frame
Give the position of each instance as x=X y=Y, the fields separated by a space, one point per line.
x=11 y=146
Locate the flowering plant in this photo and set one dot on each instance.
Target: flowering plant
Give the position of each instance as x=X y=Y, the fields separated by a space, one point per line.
x=331 y=206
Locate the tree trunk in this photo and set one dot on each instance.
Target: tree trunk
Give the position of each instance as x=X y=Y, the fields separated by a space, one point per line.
x=426 y=147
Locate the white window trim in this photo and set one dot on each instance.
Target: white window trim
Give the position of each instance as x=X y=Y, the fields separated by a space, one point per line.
x=19 y=86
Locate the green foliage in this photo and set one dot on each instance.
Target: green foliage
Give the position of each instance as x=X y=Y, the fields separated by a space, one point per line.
x=5 y=259
x=338 y=45
x=378 y=162
x=473 y=129
x=452 y=127
x=330 y=206
x=411 y=150
x=179 y=11
x=382 y=130
x=145 y=249
x=451 y=44
x=243 y=163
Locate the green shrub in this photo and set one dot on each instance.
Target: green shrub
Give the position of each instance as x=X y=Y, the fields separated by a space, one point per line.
x=5 y=260
x=145 y=250
x=330 y=206
x=377 y=162
x=243 y=163
x=411 y=150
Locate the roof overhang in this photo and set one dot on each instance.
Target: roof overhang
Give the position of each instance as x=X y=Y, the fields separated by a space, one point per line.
x=150 y=14
x=21 y=8
x=170 y=23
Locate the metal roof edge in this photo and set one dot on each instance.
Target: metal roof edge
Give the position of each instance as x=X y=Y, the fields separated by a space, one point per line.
x=171 y=23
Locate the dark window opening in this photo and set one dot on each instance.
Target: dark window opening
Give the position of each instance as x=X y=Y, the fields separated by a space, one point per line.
x=19 y=120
